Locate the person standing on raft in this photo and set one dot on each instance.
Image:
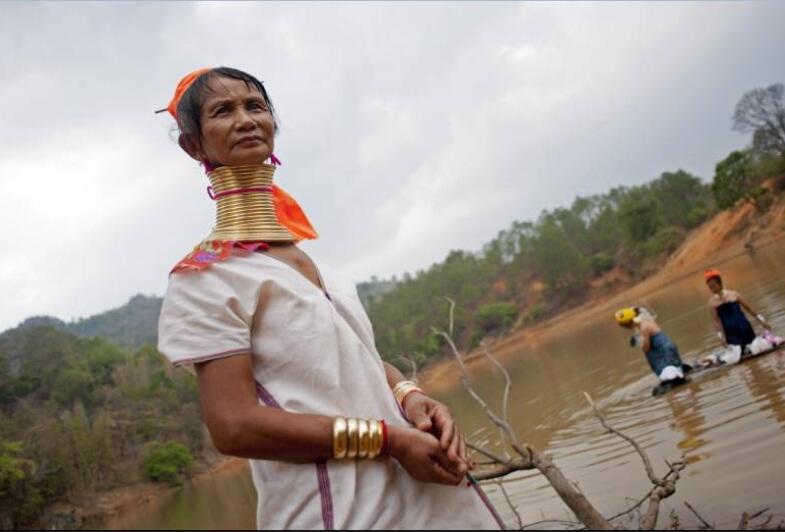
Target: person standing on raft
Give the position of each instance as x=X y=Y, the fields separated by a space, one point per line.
x=727 y=312
x=286 y=365
x=661 y=353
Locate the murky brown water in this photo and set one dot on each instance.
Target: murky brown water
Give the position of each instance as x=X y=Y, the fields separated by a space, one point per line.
x=729 y=424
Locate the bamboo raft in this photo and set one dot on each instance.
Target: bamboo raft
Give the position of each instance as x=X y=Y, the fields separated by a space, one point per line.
x=664 y=387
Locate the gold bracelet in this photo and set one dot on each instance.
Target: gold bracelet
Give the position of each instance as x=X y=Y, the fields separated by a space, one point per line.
x=363 y=439
x=340 y=438
x=354 y=442
x=357 y=438
x=404 y=388
x=376 y=437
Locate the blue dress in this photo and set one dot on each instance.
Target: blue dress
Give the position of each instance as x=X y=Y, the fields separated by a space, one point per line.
x=662 y=353
x=735 y=324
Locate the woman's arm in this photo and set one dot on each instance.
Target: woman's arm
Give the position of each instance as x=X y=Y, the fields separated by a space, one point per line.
x=240 y=426
x=746 y=307
x=394 y=376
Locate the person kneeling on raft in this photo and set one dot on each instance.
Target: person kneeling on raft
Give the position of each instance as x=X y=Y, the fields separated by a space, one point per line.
x=727 y=311
x=661 y=353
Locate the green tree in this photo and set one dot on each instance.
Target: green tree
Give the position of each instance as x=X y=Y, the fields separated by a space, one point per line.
x=496 y=317
x=168 y=462
x=71 y=384
x=560 y=264
x=640 y=215
x=733 y=180
x=762 y=112
x=684 y=199
x=6 y=381
x=19 y=500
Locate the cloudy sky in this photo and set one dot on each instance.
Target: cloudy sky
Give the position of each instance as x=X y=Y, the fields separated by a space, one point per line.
x=407 y=129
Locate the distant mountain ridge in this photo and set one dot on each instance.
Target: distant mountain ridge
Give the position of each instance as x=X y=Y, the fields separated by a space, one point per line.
x=136 y=323
x=131 y=325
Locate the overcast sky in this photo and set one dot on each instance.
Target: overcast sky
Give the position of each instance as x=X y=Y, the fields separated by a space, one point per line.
x=407 y=129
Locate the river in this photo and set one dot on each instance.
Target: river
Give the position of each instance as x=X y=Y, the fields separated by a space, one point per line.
x=729 y=423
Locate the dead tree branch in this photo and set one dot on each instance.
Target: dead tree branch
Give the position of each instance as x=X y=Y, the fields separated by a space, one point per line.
x=528 y=458
x=410 y=361
x=488 y=454
x=573 y=498
x=663 y=487
x=706 y=525
x=644 y=458
x=510 y=504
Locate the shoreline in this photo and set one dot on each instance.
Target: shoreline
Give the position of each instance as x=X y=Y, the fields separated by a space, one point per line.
x=724 y=237
x=105 y=506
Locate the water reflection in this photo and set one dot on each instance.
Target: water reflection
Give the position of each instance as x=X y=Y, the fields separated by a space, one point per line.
x=766 y=386
x=688 y=419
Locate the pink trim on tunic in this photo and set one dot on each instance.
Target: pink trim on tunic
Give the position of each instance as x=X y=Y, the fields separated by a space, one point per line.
x=322 y=476
x=488 y=504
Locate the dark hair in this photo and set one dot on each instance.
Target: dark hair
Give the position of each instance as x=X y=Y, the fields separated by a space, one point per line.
x=189 y=110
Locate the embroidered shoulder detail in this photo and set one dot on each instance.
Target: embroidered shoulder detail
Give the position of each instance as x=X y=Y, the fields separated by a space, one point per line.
x=208 y=252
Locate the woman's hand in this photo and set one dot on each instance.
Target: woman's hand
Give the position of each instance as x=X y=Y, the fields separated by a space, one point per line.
x=421 y=455
x=433 y=417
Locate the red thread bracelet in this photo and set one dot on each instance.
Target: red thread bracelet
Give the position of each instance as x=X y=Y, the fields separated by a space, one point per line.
x=385 y=438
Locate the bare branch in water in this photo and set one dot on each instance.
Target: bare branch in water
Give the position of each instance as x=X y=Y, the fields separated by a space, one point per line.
x=411 y=362
x=568 y=525
x=510 y=504
x=531 y=458
x=706 y=525
x=507 y=380
x=646 y=462
x=500 y=466
x=746 y=518
x=663 y=488
x=503 y=469
x=488 y=454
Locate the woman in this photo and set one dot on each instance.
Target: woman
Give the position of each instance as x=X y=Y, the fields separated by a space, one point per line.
x=727 y=311
x=284 y=355
x=661 y=353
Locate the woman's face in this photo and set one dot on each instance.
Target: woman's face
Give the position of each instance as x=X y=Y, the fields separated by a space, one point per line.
x=714 y=285
x=237 y=126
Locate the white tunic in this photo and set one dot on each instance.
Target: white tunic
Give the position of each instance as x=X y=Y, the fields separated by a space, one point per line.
x=311 y=354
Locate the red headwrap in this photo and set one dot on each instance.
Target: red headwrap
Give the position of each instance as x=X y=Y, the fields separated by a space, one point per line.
x=183 y=86
x=710 y=274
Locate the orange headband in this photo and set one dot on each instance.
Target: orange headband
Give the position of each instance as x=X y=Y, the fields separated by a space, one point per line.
x=183 y=86
x=711 y=274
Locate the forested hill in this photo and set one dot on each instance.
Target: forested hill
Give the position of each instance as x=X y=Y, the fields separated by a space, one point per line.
x=135 y=324
x=80 y=415
x=566 y=257
x=534 y=269
x=538 y=268
x=131 y=325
